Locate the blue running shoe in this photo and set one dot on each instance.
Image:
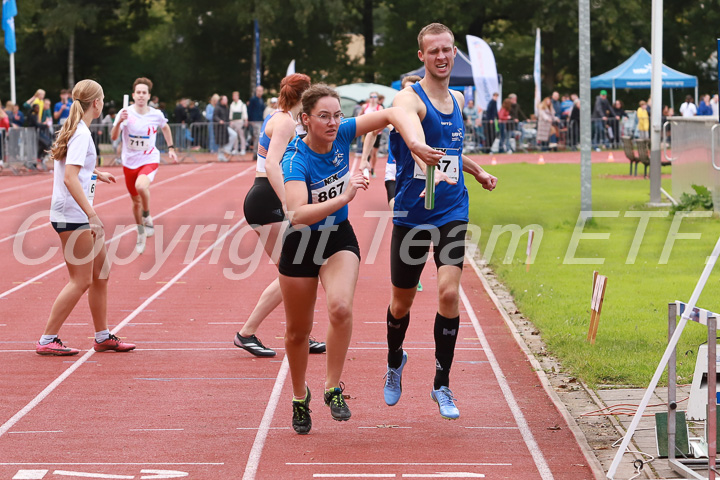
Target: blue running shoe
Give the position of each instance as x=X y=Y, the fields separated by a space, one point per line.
x=445 y=400
x=393 y=382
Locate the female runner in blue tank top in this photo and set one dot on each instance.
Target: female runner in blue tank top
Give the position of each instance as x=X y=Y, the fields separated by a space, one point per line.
x=264 y=205
x=321 y=243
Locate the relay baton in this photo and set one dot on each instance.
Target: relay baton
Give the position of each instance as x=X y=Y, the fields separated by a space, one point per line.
x=430 y=187
x=126 y=102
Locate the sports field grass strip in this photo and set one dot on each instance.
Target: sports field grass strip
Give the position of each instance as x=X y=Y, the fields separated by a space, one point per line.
x=555 y=295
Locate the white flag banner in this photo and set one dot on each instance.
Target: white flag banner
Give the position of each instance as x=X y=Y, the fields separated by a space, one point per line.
x=536 y=71
x=484 y=70
x=291 y=68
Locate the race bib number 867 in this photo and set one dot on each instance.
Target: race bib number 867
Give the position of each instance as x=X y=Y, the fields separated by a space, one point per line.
x=332 y=187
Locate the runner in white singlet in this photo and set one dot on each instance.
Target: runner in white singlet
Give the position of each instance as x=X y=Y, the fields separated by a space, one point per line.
x=139 y=124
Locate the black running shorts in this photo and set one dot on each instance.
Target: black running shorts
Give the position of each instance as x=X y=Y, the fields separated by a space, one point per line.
x=262 y=205
x=300 y=256
x=390 y=189
x=69 y=227
x=409 y=249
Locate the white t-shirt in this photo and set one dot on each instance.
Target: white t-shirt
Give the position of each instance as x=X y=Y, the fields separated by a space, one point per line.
x=688 y=109
x=138 y=137
x=81 y=151
x=238 y=107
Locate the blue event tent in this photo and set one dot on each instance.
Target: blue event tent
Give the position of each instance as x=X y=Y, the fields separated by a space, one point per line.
x=636 y=71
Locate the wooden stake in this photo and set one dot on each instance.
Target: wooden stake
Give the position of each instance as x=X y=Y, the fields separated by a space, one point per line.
x=599 y=285
x=528 y=251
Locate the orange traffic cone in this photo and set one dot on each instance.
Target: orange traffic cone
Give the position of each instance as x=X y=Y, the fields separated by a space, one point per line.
x=541 y=160
x=610 y=157
x=493 y=161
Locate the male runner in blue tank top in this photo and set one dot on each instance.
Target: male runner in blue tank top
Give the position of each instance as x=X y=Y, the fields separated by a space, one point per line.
x=437 y=114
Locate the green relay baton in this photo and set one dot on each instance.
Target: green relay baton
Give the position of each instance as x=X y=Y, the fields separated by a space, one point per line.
x=430 y=187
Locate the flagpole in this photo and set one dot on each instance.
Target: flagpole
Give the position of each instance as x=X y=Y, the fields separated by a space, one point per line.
x=13 y=99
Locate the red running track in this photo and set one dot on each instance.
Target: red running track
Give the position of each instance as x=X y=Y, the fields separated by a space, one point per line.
x=188 y=404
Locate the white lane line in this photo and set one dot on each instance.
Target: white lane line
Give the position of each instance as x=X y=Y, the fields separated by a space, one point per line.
x=47 y=223
x=580 y=438
x=37 y=431
x=402 y=464
x=103 y=464
x=18 y=187
x=443 y=475
x=169 y=379
x=254 y=458
x=157 y=429
x=30 y=475
x=384 y=427
x=42 y=395
x=525 y=431
x=12 y=207
x=353 y=475
x=64 y=473
x=495 y=428
x=256 y=428
x=129 y=230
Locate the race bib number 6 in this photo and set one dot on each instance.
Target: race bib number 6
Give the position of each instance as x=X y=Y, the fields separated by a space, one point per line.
x=91 y=188
x=138 y=142
x=449 y=164
x=333 y=186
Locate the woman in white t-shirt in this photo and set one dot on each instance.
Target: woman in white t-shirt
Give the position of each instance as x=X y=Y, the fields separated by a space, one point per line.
x=80 y=230
x=140 y=157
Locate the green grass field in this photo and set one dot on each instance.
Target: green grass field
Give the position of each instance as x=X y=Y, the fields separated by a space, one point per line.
x=555 y=295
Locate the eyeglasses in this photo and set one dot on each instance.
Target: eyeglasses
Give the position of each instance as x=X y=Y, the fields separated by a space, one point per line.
x=373 y=96
x=325 y=117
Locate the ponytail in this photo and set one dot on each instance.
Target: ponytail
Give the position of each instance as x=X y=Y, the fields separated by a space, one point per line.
x=291 y=90
x=84 y=93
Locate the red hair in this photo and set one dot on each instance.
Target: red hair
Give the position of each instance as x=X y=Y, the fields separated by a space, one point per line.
x=291 y=90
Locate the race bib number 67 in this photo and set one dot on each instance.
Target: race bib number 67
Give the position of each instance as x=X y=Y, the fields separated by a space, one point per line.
x=449 y=164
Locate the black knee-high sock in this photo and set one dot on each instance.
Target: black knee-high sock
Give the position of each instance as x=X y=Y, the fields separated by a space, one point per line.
x=446 y=330
x=396 y=328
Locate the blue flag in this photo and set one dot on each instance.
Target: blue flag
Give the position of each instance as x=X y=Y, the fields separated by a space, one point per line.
x=8 y=24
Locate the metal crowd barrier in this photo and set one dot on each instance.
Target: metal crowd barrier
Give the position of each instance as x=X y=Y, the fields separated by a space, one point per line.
x=490 y=136
x=190 y=140
x=20 y=149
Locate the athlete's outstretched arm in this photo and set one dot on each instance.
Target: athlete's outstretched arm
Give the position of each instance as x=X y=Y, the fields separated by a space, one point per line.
x=167 y=133
x=406 y=125
x=300 y=212
x=367 y=150
x=283 y=130
x=487 y=181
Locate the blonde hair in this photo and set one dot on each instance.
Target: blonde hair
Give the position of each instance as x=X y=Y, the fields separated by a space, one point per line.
x=83 y=95
x=433 y=29
x=408 y=79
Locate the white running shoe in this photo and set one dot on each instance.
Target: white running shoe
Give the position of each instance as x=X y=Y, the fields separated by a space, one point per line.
x=149 y=227
x=140 y=245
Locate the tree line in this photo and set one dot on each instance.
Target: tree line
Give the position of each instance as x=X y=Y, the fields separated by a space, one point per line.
x=194 y=48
